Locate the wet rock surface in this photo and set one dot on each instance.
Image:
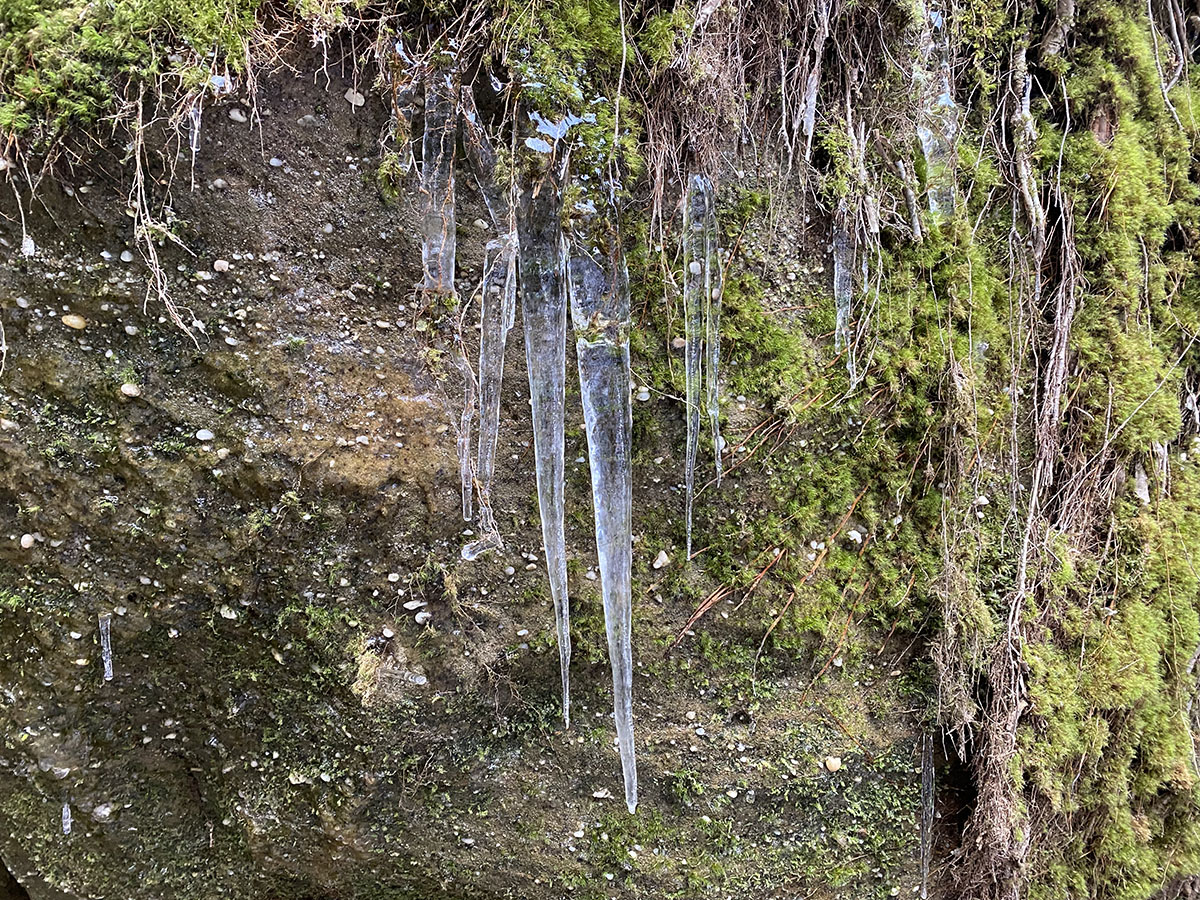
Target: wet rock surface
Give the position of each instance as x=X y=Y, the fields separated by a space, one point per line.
x=312 y=694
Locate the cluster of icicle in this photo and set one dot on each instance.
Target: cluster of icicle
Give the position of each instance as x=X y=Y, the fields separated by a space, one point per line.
x=581 y=269
x=856 y=224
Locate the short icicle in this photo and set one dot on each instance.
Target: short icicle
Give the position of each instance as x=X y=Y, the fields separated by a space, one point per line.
x=702 y=290
x=599 y=290
x=544 y=310
x=497 y=310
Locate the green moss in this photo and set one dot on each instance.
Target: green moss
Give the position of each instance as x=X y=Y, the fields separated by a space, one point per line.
x=64 y=62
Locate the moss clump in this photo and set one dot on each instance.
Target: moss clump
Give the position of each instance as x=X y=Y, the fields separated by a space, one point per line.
x=63 y=61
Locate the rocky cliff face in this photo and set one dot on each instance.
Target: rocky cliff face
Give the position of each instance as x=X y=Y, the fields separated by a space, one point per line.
x=312 y=694
x=939 y=629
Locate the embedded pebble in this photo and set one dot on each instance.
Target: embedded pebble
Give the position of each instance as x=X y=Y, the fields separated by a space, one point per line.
x=422 y=617
x=73 y=321
x=221 y=265
x=204 y=435
x=126 y=256
x=276 y=162
x=643 y=394
x=27 y=541
x=388 y=633
x=237 y=115
x=833 y=763
x=227 y=613
x=354 y=98
x=661 y=560
x=131 y=390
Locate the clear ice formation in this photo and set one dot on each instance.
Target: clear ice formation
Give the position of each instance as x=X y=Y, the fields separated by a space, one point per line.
x=542 y=274
x=438 y=245
x=497 y=315
x=194 y=118
x=106 y=644
x=843 y=287
x=703 y=286
x=437 y=182
x=938 y=123
x=599 y=290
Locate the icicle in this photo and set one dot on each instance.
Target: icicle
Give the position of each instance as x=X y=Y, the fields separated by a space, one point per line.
x=437 y=182
x=694 y=257
x=544 y=310
x=843 y=287
x=194 y=119
x=106 y=644
x=813 y=83
x=599 y=290
x=438 y=245
x=66 y=818
x=939 y=116
x=702 y=289
x=498 y=306
x=497 y=313
x=714 y=289
x=466 y=418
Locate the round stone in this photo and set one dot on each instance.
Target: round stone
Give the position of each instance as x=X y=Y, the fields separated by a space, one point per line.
x=27 y=541
x=833 y=763
x=73 y=321
x=131 y=390
x=204 y=435
x=221 y=265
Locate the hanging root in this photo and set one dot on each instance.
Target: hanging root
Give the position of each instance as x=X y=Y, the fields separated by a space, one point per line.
x=149 y=232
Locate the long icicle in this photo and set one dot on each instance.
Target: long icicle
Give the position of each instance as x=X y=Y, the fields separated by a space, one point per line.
x=544 y=311
x=703 y=286
x=599 y=290
x=439 y=245
x=714 y=289
x=497 y=311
